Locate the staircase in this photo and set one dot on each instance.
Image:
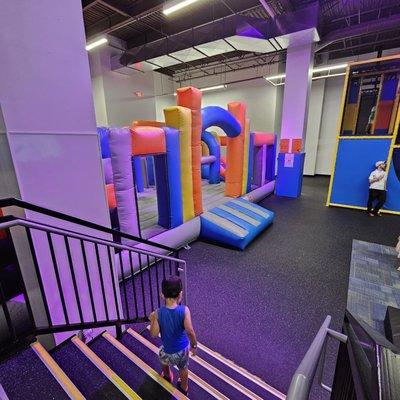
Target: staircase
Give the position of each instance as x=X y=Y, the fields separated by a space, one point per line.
x=107 y=368
x=77 y=275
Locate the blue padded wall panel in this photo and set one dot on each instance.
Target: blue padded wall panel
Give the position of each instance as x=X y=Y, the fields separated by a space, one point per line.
x=393 y=186
x=289 y=180
x=355 y=160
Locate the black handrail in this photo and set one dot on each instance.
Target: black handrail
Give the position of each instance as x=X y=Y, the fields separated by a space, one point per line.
x=359 y=368
x=13 y=202
x=136 y=286
x=373 y=335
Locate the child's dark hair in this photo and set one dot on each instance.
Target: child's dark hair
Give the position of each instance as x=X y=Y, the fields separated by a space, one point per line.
x=171 y=287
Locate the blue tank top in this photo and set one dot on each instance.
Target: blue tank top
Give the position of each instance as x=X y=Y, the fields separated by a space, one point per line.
x=173 y=335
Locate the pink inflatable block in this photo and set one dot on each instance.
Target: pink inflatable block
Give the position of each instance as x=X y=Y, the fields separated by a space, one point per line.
x=261 y=138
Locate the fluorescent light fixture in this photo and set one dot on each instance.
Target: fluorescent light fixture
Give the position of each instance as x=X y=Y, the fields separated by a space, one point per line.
x=314 y=78
x=96 y=43
x=176 y=5
x=272 y=78
x=330 y=68
x=315 y=70
x=328 y=76
x=206 y=89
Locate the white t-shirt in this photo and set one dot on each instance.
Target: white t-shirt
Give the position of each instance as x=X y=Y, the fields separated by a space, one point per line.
x=381 y=183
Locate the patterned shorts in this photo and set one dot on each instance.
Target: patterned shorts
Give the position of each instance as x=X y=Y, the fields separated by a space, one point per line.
x=180 y=359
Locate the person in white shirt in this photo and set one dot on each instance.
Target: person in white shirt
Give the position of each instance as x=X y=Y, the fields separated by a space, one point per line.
x=377 y=188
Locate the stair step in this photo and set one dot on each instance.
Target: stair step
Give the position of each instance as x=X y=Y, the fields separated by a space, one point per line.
x=92 y=383
x=70 y=389
x=219 y=380
x=149 y=353
x=136 y=373
x=105 y=369
x=25 y=377
x=229 y=367
x=241 y=375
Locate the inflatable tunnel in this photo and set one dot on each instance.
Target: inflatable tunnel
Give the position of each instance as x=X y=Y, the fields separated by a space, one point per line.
x=223 y=119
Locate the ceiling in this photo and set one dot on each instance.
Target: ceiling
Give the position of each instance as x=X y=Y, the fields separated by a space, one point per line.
x=346 y=28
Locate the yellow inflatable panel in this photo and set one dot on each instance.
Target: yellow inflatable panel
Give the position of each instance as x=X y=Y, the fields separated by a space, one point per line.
x=205 y=151
x=181 y=119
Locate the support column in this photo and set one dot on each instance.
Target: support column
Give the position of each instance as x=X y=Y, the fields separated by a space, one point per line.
x=46 y=98
x=299 y=63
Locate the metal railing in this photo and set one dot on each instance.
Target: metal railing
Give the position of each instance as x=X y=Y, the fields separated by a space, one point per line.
x=13 y=202
x=74 y=281
x=314 y=359
x=362 y=370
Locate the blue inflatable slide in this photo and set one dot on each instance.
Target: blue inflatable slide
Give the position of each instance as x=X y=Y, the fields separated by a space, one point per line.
x=235 y=223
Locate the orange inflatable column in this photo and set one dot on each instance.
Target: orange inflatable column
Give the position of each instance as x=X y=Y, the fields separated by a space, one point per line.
x=190 y=97
x=235 y=153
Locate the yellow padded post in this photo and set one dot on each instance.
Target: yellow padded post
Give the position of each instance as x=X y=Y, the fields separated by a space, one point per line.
x=181 y=119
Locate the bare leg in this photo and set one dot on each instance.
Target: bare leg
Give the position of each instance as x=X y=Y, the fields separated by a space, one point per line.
x=184 y=378
x=166 y=372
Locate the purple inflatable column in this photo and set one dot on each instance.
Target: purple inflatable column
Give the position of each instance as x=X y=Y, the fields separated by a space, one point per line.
x=260 y=155
x=121 y=156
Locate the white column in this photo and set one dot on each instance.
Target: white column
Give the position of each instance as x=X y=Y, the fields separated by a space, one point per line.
x=313 y=125
x=46 y=98
x=299 y=63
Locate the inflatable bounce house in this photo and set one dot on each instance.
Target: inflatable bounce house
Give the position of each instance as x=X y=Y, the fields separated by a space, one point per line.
x=197 y=174
x=368 y=132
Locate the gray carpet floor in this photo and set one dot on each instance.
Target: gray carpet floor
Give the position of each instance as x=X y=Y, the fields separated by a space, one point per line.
x=263 y=306
x=374 y=282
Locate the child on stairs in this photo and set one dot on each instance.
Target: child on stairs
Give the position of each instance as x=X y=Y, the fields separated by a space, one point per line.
x=173 y=322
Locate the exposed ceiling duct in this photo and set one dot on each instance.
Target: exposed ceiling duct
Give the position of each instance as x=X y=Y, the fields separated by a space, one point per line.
x=234 y=33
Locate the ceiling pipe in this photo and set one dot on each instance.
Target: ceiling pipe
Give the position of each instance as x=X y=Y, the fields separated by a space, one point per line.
x=271 y=12
x=365 y=28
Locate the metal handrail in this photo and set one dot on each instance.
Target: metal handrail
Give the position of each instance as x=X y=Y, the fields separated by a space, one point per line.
x=14 y=221
x=13 y=202
x=303 y=378
x=144 y=294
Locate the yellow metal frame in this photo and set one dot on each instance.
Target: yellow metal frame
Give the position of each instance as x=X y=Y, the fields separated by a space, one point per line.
x=377 y=104
x=338 y=137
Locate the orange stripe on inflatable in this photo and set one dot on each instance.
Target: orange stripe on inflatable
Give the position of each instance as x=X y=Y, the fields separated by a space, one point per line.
x=147 y=140
x=190 y=97
x=143 y=122
x=111 y=199
x=223 y=140
x=234 y=153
